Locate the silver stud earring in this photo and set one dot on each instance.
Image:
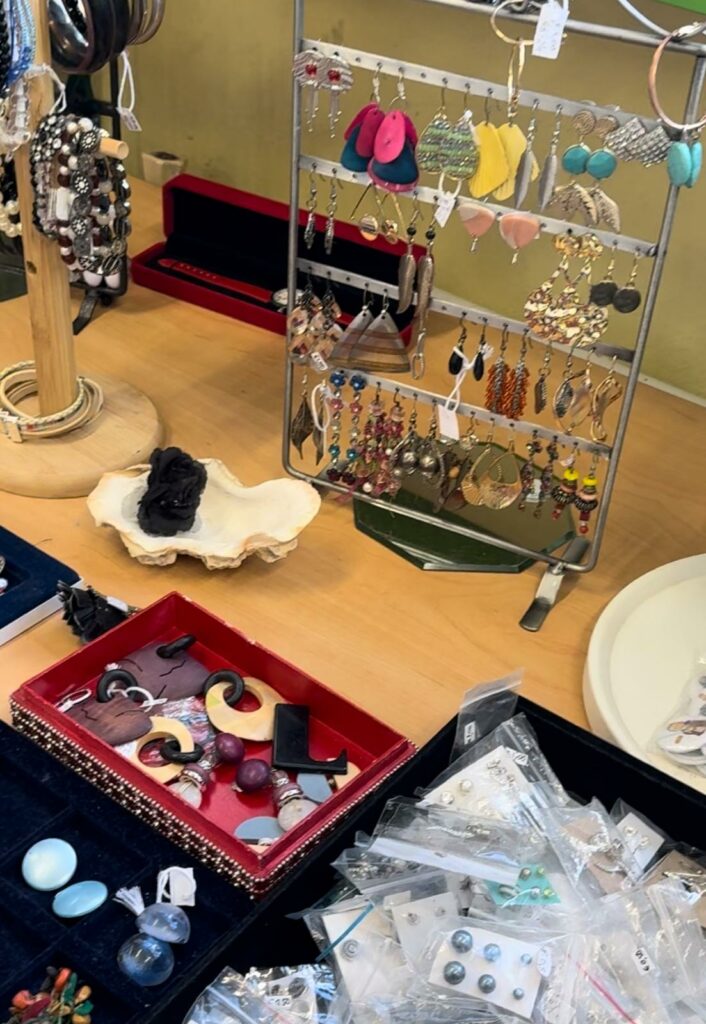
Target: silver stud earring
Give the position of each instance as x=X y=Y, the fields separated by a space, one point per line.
x=350 y=949
x=465 y=785
x=446 y=798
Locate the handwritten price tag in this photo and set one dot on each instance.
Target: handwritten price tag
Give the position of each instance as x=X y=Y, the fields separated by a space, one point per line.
x=550 y=29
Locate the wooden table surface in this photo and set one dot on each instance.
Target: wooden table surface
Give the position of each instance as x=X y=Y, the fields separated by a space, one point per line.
x=403 y=643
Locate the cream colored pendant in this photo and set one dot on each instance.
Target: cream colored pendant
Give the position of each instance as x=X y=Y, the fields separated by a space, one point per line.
x=256 y=725
x=162 y=729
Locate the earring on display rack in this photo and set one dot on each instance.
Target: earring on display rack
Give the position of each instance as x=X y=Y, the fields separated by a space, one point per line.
x=431 y=455
x=603 y=293
x=477 y=220
x=499 y=482
x=335 y=402
x=547 y=179
x=341 y=354
x=571 y=405
x=360 y=133
x=493 y=168
x=302 y=426
x=540 y=388
x=457 y=359
x=601 y=164
x=470 y=485
x=608 y=391
x=573 y=197
x=434 y=140
x=518 y=229
x=515 y=396
x=310 y=228
x=628 y=298
x=331 y=214
x=308 y=68
x=527 y=473
x=497 y=376
x=528 y=162
x=337 y=77
x=425 y=286
x=546 y=478
x=368 y=225
x=393 y=165
x=586 y=500
x=481 y=353
x=405 y=457
x=564 y=492
x=380 y=348
x=408 y=266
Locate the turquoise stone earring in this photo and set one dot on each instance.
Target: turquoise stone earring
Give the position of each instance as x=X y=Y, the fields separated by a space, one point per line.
x=576 y=157
x=601 y=163
x=684 y=162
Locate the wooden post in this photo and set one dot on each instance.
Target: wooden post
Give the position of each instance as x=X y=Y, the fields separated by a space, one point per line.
x=47 y=277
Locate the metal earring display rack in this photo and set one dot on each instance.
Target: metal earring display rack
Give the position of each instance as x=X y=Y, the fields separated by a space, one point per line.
x=581 y=554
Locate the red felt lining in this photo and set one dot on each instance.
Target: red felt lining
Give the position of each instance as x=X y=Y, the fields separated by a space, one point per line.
x=335 y=724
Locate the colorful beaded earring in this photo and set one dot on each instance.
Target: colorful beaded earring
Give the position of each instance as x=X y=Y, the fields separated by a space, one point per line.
x=337 y=380
x=355 y=407
x=547 y=179
x=497 y=377
x=546 y=479
x=586 y=500
x=564 y=493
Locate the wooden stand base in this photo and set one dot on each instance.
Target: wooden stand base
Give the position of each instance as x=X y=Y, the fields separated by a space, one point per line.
x=124 y=434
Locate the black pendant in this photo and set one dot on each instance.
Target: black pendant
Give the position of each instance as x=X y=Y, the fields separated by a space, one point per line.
x=603 y=293
x=627 y=300
x=290 y=745
x=479 y=366
x=455 y=363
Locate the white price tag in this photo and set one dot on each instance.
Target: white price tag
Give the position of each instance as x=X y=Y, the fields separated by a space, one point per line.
x=444 y=208
x=533 y=496
x=448 y=423
x=642 y=961
x=550 y=29
x=178 y=885
x=129 y=119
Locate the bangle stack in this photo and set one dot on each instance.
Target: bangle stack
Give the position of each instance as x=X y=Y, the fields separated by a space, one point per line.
x=81 y=199
x=19 y=382
x=88 y=35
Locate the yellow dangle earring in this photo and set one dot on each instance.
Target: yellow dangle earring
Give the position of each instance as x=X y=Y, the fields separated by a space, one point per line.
x=493 y=168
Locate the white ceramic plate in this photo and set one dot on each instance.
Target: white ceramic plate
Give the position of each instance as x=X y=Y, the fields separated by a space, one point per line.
x=641 y=656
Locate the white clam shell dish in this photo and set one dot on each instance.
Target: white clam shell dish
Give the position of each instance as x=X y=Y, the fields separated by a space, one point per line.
x=232 y=521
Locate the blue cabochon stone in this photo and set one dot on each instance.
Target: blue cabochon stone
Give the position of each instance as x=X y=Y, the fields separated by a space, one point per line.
x=49 y=864
x=80 y=899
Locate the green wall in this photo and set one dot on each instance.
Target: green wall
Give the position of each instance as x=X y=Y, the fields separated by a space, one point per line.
x=214 y=86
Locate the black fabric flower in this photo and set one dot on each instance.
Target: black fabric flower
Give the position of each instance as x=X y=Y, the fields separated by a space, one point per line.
x=174 y=489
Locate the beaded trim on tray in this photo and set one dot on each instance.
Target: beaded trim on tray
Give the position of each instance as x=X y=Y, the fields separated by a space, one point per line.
x=167 y=824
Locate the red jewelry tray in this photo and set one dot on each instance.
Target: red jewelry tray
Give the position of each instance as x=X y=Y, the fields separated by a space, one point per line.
x=207 y=832
x=226 y=250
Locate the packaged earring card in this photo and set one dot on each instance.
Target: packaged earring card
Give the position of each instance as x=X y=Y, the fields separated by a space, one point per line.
x=237 y=755
x=682 y=735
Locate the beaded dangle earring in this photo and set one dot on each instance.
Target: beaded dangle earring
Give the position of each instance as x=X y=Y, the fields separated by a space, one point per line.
x=373 y=433
x=479 y=361
x=457 y=358
x=547 y=179
x=408 y=265
x=628 y=298
x=310 y=229
x=497 y=377
x=586 y=500
x=337 y=380
x=527 y=473
x=546 y=479
x=355 y=407
x=515 y=397
x=540 y=388
x=564 y=493
x=331 y=214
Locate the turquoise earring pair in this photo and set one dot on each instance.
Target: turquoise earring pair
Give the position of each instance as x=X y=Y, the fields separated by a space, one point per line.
x=684 y=162
x=580 y=158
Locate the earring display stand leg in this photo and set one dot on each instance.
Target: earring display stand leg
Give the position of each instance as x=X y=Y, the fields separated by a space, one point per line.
x=128 y=426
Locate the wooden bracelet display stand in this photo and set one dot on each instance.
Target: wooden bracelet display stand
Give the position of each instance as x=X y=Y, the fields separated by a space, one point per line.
x=128 y=426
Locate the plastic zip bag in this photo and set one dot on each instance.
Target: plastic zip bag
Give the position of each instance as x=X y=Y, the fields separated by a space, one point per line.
x=484 y=708
x=432 y=835
x=229 y=1000
x=308 y=993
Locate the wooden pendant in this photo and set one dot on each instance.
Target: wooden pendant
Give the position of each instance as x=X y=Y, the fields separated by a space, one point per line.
x=256 y=725
x=163 y=729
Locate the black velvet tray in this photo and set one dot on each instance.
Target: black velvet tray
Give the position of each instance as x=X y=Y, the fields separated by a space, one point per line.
x=40 y=798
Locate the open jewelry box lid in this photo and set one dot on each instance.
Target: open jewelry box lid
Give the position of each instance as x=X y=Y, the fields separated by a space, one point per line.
x=207 y=832
x=226 y=250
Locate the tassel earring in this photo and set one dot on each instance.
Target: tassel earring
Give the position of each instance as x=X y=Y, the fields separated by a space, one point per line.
x=497 y=378
x=515 y=397
x=546 y=479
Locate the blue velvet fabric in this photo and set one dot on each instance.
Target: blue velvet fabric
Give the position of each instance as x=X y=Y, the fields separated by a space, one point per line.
x=32 y=576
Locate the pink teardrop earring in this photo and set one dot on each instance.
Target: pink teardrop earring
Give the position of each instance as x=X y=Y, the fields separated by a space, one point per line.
x=519 y=229
x=477 y=219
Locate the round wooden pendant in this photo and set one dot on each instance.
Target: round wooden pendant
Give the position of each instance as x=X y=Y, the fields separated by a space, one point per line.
x=163 y=729
x=248 y=725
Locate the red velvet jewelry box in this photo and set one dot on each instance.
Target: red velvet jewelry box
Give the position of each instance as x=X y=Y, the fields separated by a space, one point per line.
x=207 y=832
x=226 y=250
